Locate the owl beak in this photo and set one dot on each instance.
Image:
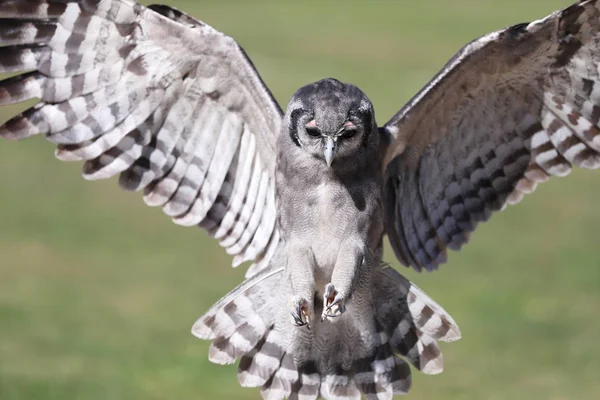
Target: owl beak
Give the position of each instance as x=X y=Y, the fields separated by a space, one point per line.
x=330 y=147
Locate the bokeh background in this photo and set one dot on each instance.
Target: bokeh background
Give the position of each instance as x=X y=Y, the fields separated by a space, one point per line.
x=98 y=292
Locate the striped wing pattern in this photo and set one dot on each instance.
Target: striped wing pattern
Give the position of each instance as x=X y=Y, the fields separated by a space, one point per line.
x=165 y=101
x=343 y=361
x=506 y=113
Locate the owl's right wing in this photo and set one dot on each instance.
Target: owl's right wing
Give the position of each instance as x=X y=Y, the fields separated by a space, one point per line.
x=166 y=101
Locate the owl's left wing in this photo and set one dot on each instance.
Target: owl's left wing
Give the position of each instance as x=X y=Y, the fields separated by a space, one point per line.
x=510 y=110
x=169 y=103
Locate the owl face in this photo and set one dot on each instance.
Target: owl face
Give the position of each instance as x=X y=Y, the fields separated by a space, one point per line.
x=331 y=120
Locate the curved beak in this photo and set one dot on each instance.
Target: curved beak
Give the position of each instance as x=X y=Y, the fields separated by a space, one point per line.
x=330 y=148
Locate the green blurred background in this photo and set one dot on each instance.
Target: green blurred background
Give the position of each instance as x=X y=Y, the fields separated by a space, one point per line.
x=98 y=292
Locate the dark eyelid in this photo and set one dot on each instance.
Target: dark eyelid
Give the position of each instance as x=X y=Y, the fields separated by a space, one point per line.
x=348 y=132
x=312 y=130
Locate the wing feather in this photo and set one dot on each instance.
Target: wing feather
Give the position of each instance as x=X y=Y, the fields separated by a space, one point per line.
x=507 y=112
x=166 y=101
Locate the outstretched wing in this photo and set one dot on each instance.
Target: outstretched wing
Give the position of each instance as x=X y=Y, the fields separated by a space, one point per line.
x=507 y=112
x=169 y=103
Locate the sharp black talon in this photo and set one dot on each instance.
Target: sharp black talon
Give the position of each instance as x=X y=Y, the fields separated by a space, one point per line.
x=331 y=299
x=335 y=301
x=341 y=307
x=299 y=312
x=297 y=320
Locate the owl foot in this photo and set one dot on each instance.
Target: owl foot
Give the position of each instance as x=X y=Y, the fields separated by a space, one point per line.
x=333 y=303
x=300 y=311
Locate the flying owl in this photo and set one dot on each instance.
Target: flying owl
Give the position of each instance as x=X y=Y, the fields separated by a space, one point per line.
x=176 y=109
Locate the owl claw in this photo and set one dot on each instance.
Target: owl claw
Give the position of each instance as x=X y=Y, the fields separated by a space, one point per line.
x=333 y=303
x=300 y=312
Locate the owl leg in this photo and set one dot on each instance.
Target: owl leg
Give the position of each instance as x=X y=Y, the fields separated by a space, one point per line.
x=300 y=270
x=351 y=261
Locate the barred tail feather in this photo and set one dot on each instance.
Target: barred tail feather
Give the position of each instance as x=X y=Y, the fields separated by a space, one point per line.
x=366 y=352
x=249 y=303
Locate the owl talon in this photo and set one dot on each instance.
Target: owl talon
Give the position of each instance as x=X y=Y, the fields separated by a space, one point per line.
x=300 y=312
x=333 y=303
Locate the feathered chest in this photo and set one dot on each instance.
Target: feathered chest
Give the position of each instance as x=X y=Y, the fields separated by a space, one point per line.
x=325 y=211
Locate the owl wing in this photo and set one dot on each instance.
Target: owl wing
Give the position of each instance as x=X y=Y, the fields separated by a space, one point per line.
x=510 y=110
x=166 y=101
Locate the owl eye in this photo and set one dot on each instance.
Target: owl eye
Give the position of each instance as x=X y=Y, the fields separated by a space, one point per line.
x=312 y=130
x=349 y=130
x=348 y=133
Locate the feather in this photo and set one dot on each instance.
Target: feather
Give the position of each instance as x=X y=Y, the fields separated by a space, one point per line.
x=155 y=95
x=358 y=355
x=519 y=105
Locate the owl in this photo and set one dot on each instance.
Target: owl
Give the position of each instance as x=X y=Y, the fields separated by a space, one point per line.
x=307 y=194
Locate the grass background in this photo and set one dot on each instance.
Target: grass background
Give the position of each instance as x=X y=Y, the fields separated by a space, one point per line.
x=98 y=292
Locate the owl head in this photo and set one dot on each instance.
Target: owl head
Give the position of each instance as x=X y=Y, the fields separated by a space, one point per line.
x=331 y=120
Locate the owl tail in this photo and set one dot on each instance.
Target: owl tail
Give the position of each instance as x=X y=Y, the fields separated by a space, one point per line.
x=361 y=353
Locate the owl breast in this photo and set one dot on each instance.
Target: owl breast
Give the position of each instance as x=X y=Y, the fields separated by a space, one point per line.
x=322 y=215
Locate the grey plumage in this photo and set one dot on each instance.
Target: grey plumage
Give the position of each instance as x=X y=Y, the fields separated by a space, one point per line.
x=332 y=222
x=177 y=109
x=512 y=109
x=357 y=353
